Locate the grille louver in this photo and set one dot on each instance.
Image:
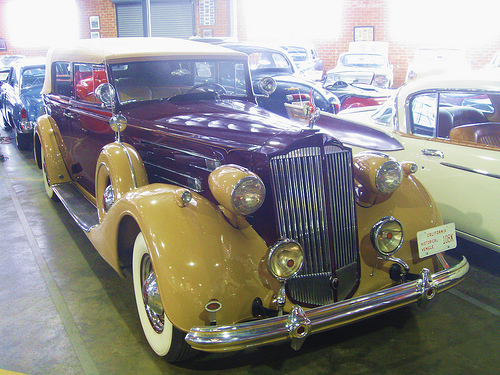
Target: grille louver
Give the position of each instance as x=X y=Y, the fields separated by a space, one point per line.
x=314 y=198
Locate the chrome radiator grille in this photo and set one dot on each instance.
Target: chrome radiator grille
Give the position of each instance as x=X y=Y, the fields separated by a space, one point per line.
x=314 y=197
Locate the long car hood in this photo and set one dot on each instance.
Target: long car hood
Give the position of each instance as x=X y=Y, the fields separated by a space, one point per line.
x=227 y=123
x=355 y=129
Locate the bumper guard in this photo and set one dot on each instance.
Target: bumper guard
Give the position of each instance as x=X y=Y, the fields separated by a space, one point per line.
x=297 y=325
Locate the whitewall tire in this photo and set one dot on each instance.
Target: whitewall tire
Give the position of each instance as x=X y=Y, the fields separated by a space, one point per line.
x=166 y=340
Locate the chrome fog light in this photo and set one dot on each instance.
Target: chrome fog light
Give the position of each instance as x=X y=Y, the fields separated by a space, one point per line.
x=248 y=195
x=387 y=236
x=389 y=177
x=285 y=259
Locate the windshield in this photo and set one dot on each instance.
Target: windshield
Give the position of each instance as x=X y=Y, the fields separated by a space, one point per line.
x=269 y=60
x=297 y=53
x=384 y=115
x=362 y=60
x=180 y=80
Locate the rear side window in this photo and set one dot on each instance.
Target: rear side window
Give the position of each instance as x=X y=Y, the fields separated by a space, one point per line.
x=61 y=77
x=87 y=78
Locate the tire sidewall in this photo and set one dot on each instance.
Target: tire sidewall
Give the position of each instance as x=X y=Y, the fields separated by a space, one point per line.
x=46 y=185
x=160 y=342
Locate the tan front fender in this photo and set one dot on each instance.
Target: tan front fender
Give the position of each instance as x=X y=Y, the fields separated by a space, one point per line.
x=120 y=165
x=196 y=253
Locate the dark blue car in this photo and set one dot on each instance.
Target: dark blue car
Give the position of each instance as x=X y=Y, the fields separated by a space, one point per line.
x=291 y=86
x=20 y=98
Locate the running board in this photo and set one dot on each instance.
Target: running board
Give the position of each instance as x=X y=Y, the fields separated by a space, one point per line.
x=79 y=207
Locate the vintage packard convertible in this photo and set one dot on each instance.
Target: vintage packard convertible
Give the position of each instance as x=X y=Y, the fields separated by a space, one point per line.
x=240 y=228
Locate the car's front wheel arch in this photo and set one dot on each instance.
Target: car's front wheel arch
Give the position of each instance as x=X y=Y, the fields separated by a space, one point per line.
x=163 y=337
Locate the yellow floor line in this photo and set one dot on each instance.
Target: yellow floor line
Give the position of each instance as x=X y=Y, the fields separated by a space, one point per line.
x=5 y=372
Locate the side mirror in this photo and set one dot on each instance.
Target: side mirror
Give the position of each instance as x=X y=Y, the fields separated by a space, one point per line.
x=105 y=93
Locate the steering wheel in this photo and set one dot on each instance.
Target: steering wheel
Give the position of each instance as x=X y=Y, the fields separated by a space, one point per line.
x=216 y=87
x=339 y=84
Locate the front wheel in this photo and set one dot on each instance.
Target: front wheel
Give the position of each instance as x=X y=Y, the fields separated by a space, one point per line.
x=166 y=340
x=46 y=182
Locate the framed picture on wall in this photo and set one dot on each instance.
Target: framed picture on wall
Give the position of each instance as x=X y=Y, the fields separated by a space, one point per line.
x=207 y=33
x=94 y=23
x=364 y=33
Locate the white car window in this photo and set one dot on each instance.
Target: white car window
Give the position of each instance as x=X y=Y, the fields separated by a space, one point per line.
x=423 y=115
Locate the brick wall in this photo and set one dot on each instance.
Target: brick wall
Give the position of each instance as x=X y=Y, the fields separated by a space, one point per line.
x=105 y=9
x=102 y=8
x=355 y=13
x=375 y=13
x=11 y=50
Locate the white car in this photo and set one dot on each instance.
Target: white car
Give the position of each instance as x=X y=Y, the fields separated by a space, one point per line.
x=449 y=126
x=360 y=67
x=434 y=61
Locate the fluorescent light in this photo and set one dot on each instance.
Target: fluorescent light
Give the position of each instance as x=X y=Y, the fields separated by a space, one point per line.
x=41 y=23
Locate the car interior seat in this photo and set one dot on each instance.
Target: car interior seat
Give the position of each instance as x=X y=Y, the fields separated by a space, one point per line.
x=453 y=116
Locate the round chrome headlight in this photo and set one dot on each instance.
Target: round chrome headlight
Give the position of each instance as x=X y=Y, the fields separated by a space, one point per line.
x=285 y=259
x=248 y=195
x=387 y=236
x=389 y=177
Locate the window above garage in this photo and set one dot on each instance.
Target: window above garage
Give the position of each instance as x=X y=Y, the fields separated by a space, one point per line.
x=169 y=18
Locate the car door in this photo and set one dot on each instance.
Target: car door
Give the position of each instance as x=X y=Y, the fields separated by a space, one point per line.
x=462 y=177
x=87 y=123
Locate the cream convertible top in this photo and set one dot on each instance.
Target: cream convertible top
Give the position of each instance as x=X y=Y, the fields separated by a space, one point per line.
x=113 y=50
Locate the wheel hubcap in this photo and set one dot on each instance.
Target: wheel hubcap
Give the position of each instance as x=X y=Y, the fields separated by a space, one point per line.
x=108 y=198
x=151 y=295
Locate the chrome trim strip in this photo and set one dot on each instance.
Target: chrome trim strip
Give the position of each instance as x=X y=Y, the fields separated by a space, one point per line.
x=319 y=319
x=132 y=171
x=476 y=171
x=196 y=181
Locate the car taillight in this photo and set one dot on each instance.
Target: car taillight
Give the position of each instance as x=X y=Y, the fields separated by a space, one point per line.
x=24 y=118
x=336 y=107
x=295 y=97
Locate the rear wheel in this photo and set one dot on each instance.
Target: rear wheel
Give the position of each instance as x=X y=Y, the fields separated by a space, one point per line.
x=166 y=340
x=6 y=122
x=23 y=140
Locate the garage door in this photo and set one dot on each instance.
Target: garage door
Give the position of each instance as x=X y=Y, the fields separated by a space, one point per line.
x=169 y=18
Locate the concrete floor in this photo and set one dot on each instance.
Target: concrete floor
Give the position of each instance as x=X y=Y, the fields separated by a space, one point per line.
x=63 y=310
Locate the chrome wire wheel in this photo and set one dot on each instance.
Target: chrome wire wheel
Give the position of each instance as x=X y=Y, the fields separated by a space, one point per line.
x=151 y=296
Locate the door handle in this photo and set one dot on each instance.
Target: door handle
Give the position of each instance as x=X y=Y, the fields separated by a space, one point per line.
x=434 y=153
x=71 y=115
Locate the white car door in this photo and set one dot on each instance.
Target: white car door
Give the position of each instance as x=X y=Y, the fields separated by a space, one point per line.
x=463 y=178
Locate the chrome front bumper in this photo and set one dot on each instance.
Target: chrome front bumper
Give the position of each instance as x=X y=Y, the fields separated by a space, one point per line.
x=297 y=325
